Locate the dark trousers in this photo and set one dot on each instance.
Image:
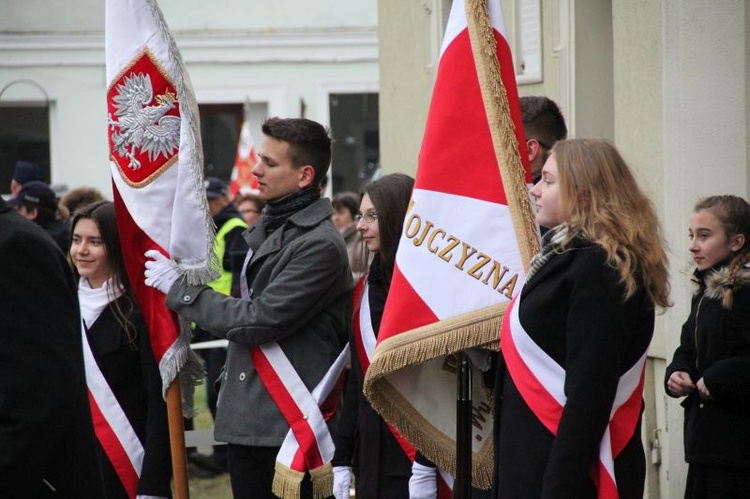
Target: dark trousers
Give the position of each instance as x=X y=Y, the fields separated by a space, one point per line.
x=717 y=482
x=251 y=472
x=215 y=359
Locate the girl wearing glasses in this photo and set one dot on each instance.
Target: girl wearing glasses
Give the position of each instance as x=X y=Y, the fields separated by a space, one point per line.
x=364 y=442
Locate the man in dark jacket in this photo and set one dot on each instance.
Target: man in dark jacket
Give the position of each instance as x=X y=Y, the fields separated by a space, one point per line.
x=47 y=442
x=296 y=301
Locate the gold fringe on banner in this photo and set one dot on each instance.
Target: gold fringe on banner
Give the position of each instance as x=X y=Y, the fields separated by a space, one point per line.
x=502 y=128
x=322 y=481
x=287 y=482
x=479 y=328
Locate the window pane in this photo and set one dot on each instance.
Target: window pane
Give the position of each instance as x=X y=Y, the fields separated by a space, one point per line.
x=356 y=140
x=24 y=134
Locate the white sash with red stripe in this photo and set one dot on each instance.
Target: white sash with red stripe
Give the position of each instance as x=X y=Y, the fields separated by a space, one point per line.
x=365 y=340
x=308 y=447
x=111 y=425
x=541 y=381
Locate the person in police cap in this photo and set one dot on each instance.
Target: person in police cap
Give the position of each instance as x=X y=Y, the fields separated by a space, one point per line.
x=24 y=172
x=37 y=201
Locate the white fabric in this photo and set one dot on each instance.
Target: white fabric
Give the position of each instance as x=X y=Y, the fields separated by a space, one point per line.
x=552 y=378
x=423 y=482
x=160 y=272
x=457 y=22
x=342 y=482
x=423 y=269
x=109 y=407
x=308 y=403
x=93 y=301
x=365 y=324
x=176 y=201
x=549 y=373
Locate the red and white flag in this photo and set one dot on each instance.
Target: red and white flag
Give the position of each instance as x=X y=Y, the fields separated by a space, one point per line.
x=156 y=162
x=243 y=180
x=467 y=239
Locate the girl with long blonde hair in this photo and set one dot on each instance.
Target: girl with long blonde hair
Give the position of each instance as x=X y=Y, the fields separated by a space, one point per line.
x=574 y=342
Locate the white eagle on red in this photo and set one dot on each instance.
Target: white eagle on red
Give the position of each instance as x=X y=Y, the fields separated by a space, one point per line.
x=143 y=126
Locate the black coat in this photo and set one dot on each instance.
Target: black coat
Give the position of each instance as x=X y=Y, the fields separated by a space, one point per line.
x=46 y=431
x=715 y=346
x=131 y=372
x=573 y=309
x=363 y=439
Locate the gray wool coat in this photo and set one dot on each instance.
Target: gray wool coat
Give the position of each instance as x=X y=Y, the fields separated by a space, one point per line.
x=300 y=288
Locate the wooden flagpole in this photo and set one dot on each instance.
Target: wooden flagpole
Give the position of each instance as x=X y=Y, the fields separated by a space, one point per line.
x=177 y=440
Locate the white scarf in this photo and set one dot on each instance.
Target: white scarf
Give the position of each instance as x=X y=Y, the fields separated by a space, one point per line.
x=94 y=300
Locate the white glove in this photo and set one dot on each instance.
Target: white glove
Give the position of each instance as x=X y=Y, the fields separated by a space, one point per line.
x=161 y=272
x=423 y=482
x=342 y=481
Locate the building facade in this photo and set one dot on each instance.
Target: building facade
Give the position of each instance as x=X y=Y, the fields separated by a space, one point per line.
x=288 y=58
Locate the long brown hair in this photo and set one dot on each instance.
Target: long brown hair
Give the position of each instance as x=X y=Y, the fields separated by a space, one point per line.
x=103 y=215
x=734 y=214
x=602 y=203
x=390 y=196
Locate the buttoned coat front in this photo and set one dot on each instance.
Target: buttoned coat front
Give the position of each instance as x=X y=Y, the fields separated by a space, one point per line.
x=300 y=291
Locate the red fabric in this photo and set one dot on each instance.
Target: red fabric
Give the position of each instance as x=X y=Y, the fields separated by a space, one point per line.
x=114 y=450
x=309 y=456
x=622 y=425
x=545 y=407
x=404 y=309
x=161 y=322
x=364 y=362
x=455 y=166
x=242 y=172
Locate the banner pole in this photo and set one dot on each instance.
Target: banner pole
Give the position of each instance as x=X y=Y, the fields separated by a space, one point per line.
x=177 y=440
x=462 y=487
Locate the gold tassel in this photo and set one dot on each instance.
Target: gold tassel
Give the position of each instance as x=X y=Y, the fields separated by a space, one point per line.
x=322 y=481
x=502 y=128
x=287 y=482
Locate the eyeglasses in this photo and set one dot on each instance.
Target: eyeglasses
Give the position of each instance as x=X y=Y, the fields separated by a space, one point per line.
x=367 y=217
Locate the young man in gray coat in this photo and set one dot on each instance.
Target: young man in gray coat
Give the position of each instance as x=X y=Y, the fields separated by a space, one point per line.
x=296 y=294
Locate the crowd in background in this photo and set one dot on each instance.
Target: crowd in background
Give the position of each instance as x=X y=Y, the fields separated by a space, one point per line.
x=588 y=305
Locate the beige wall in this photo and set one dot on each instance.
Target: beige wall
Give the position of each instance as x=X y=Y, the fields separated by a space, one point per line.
x=411 y=34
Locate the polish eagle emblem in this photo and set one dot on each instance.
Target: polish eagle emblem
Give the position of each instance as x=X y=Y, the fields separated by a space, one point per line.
x=142 y=125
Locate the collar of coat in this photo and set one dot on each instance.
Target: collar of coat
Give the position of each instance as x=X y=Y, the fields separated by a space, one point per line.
x=307 y=217
x=716 y=281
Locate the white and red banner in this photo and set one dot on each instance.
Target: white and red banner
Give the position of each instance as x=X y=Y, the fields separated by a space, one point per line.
x=541 y=382
x=243 y=180
x=156 y=164
x=459 y=261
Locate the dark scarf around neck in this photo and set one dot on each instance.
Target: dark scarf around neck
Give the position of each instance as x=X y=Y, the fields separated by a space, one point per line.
x=279 y=210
